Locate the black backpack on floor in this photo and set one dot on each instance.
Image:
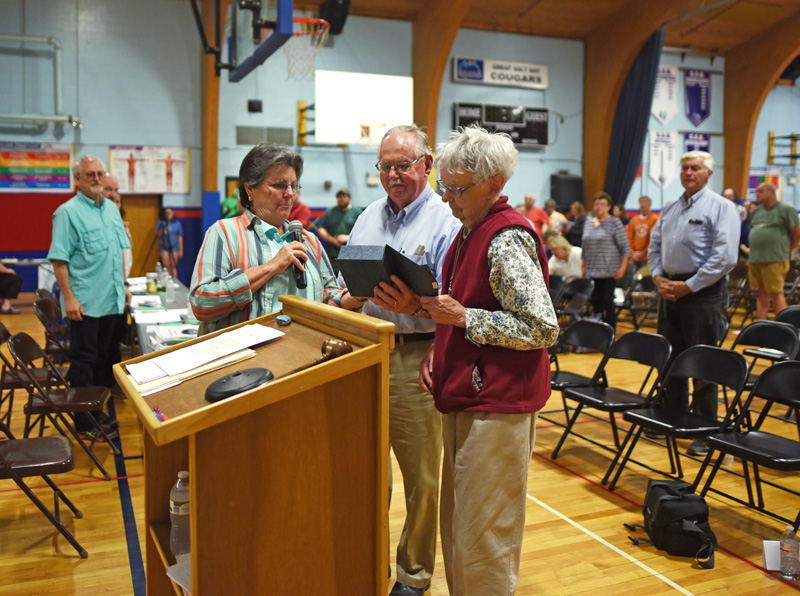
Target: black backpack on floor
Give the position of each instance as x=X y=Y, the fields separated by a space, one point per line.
x=676 y=520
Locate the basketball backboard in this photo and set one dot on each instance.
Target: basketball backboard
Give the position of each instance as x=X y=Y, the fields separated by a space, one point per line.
x=257 y=29
x=358 y=108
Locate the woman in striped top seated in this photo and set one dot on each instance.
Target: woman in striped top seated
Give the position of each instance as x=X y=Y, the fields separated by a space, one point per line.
x=605 y=256
x=245 y=262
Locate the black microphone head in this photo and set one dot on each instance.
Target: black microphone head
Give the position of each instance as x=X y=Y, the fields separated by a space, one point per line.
x=295 y=226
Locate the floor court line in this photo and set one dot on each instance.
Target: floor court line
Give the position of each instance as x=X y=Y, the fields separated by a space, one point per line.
x=607 y=544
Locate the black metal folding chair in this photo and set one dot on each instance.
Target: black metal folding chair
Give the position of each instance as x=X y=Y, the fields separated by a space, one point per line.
x=650 y=350
x=707 y=363
x=756 y=447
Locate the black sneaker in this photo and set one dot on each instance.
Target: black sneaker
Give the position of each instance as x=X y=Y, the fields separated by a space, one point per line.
x=697 y=447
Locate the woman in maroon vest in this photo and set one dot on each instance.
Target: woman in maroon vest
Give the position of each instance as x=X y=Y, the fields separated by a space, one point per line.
x=488 y=370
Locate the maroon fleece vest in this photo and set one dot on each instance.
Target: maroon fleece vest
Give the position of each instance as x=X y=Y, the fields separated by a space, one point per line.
x=512 y=381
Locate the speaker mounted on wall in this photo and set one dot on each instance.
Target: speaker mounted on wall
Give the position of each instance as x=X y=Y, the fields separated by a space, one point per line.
x=335 y=12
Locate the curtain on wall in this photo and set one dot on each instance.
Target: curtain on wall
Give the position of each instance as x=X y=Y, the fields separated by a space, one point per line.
x=631 y=119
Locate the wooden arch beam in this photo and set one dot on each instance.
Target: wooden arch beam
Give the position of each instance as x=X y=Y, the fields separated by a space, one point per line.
x=751 y=71
x=434 y=31
x=610 y=50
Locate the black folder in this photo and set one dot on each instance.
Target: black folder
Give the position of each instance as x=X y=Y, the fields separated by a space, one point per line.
x=364 y=267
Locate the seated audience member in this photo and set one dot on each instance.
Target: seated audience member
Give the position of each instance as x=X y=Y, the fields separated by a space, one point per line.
x=488 y=371
x=566 y=259
x=536 y=214
x=733 y=197
x=300 y=212
x=620 y=213
x=245 y=262
x=638 y=229
x=335 y=226
x=574 y=232
x=556 y=218
x=10 y=284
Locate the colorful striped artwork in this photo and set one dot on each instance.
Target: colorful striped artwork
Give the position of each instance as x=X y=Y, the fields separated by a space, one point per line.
x=760 y=175
x=36 y=167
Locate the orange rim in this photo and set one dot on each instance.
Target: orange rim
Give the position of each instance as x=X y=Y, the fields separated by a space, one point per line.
x=322 y=26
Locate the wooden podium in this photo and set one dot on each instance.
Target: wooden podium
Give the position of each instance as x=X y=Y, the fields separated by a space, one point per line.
x=288 y=481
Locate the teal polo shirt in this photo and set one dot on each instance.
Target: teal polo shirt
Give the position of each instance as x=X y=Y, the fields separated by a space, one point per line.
x=90 y=239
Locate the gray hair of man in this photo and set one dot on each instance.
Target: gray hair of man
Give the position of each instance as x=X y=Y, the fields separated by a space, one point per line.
x=476 y=151
x=259 y=161
x=708 y=161
x=421 y=148
x=76 y=168
x=550 y=203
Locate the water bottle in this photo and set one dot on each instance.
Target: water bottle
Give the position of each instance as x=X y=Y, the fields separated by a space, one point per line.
x=790 y=557
x=179 y=515
x=170 y=288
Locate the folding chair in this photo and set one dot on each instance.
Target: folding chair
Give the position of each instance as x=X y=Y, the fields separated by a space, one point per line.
x=9 y=377
x=648 y=349
x=756 y=447
x=640 y=298
x=707 y=363
x=773 y=341
x=791 y=315
x=41 y=456
x=53 y=400
x=56 y=329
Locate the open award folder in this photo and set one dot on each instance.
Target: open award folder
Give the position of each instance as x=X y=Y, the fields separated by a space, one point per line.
x=364 y=267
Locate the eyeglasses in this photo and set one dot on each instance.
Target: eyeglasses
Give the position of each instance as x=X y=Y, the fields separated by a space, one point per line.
x=282 y=185
x=401 y=167
x=93 y=174
x=453 y=190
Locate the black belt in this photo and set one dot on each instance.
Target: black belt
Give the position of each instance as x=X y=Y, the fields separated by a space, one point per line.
x=404 y=338
x=679 y=276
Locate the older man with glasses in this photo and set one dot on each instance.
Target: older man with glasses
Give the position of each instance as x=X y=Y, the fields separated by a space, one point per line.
x=412 y=219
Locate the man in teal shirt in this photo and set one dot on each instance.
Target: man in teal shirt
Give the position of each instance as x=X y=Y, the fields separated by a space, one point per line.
x=336 y=225
x=86 y=252
x=774 y=232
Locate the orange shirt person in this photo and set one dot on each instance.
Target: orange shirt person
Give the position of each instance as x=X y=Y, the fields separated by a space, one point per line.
x=638 y=229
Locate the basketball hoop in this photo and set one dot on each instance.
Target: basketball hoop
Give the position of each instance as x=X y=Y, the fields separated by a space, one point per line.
x=371 y=133
x=302 y=49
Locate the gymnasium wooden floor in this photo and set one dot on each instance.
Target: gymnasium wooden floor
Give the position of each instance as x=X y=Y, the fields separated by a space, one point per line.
x=574 y=541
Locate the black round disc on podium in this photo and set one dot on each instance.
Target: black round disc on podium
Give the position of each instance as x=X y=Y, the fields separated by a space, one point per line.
x=236 y=383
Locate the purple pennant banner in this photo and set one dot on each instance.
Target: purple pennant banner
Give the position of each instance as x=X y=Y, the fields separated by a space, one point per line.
x=698 y=94
x=696 y=141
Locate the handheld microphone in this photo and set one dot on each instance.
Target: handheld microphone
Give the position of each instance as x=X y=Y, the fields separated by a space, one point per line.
x=296 y=230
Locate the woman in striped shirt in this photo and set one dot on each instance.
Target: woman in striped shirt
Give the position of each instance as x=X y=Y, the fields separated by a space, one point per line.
x=245 y=262
x=605 y=256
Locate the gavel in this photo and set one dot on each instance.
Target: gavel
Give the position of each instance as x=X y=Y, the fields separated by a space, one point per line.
x=331 y=348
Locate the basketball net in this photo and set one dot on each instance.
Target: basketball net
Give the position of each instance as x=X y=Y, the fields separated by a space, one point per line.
x=302 y=49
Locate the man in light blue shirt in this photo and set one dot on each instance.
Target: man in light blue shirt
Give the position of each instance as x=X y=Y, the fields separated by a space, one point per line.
x=413 y=220
x=86 y=252
x=692 y=247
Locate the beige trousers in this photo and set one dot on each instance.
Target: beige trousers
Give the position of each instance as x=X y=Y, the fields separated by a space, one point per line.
x=484 y=487
x=415 y=435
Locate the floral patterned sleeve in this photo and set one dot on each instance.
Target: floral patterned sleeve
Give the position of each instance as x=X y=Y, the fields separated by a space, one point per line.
x=527 y=320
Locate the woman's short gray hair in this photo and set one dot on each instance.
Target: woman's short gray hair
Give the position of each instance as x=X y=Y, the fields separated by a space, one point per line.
x=476 y=151
x=259 y=161
x=76 y=167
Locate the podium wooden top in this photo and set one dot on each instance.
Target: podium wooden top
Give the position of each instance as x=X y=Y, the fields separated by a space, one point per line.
x=185 y=406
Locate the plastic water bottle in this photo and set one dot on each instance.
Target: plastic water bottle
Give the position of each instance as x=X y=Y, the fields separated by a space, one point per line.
x=170 y=288
x=790 y=557
x=179 y=515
